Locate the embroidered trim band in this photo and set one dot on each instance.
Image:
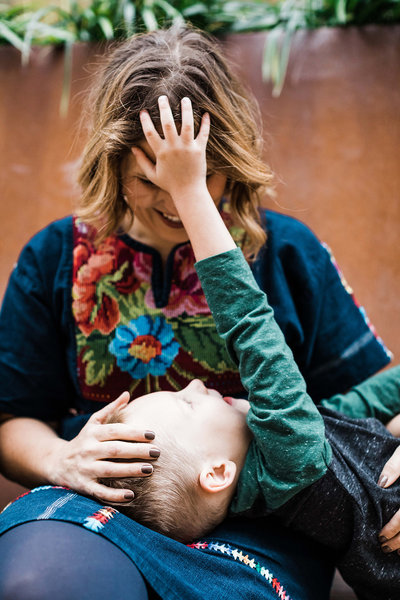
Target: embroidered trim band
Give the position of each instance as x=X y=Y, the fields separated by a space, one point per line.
x=237 y=554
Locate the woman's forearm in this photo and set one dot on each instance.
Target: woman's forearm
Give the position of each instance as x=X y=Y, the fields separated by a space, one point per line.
x=26 y=450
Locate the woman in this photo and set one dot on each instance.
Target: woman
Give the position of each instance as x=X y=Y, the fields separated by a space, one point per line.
x=109 y=301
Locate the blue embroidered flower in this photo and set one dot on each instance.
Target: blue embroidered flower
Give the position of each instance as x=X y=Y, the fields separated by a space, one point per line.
x=144 y=346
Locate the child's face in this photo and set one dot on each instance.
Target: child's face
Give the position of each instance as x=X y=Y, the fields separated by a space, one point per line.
x=198 y=417
x=156 y=218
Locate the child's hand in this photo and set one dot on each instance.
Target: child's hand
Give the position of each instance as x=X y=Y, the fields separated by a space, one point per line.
x=180 y=167
x=90 y=456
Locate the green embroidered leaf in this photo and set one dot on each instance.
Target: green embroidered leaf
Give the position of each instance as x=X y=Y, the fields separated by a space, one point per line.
x=98 y=360
x=131 y=306
x=81 y=340
x=200 y=338
x=105 y=286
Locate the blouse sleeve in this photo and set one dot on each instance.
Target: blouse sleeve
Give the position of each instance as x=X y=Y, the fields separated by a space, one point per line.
x=33 y=354
x=378 y=396
x=331 y=338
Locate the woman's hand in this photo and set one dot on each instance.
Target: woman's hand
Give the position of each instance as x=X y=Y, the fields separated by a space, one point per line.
x=91 y=455
x=180 y=167
x=389 y=536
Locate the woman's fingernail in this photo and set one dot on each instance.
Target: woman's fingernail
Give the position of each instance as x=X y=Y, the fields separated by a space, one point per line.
x=149 y=435
x=147 y=469
x=382 y=481
x=386 y=549
x=382 y=539
x=129 y=495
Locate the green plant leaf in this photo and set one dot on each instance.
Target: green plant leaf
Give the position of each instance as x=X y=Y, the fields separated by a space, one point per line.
x=106 y=27
x=12 y=38
x=149 y=19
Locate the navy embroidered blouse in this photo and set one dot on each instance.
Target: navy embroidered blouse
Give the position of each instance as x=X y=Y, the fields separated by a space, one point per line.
x=80 y=324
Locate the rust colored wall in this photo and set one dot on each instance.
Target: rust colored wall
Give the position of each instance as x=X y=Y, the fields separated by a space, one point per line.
x=332 y=137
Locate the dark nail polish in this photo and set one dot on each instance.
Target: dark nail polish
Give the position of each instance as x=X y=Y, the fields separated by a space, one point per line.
x=386 y=549
x=154 y=453
x=149 y=435
x=382 y=539
x=129 y=495
x=147 y=469
x=382 y=481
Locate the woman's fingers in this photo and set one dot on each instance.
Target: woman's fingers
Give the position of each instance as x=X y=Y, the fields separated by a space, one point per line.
x=129 y=450
x=102 y=415
x=391 y=471
x=104 y=469
x=122 y=432
x=110 y=495
x=389 y=535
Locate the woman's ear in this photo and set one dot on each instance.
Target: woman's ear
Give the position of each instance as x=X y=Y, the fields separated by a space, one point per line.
x=218 y=476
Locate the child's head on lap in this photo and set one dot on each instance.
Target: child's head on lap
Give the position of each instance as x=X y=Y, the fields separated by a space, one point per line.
x=176 y=62
x=203 y=441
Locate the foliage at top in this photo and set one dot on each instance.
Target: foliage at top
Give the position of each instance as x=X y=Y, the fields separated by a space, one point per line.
x=23 y=25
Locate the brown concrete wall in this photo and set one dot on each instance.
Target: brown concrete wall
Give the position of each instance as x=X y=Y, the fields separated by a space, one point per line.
x=332 y=137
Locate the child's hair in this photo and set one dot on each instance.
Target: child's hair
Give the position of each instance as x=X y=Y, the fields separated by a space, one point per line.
x=176 y=62
x=169 y=501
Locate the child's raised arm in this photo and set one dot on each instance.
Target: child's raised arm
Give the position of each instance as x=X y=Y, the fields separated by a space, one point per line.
x=181 y=170
x=290 y=451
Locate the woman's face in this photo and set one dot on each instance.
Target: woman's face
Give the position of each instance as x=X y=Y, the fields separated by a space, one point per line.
x=156 y=220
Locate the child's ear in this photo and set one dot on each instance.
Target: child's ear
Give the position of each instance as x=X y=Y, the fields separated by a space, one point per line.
x=218 y=476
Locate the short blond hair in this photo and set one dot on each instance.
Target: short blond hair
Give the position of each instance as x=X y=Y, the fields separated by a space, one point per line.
x=177 y=62
x=169 y=500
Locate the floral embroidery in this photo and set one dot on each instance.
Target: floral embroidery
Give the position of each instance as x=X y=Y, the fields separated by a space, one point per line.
x=124 y=339
x=186 y=295
x=144 y=346
x=100 y=518
x=238 y=555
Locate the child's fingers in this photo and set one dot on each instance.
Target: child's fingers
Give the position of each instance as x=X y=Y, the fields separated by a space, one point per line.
x=149 y=131
x=102 y=415
x=144 y=162
x=204 y=130
x=166 y=118
x=187 y=129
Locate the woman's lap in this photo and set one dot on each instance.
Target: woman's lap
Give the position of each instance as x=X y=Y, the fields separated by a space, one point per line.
x=242 y=558
x=43 y=560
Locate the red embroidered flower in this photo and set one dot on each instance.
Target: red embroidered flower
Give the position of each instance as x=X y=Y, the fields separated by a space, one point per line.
x=93 y=308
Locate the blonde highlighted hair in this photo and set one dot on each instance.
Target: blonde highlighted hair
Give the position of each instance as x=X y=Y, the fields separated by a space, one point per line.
x=176 y=62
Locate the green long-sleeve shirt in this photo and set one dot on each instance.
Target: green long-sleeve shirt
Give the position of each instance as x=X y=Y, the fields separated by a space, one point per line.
x=289 y=451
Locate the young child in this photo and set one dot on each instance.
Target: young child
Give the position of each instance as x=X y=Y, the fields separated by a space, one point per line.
x=317 y=470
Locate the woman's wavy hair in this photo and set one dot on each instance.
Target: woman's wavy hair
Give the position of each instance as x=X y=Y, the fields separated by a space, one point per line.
x=176 y=62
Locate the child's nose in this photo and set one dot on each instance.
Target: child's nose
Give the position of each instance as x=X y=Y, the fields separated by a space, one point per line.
x=198 y=386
